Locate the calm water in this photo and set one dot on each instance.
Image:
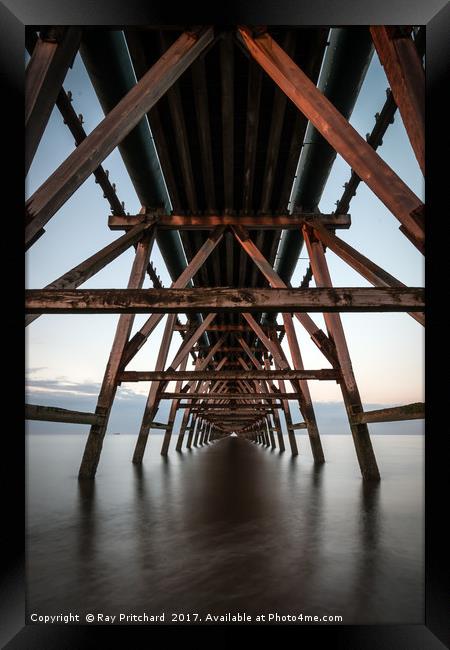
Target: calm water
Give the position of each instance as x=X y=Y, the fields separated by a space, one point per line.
x=231 y=527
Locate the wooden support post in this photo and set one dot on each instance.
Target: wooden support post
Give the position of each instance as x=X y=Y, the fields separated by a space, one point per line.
x=194 y=425
x=352 y=399
x=173 y=413
x=305 y=401
x=198 y=431
x=270 y=432
x=403 y=67
x=152 y=404
x=381 y=179
x=108 y=389
x=288 y=418
x=55 y=191
x=44 y=76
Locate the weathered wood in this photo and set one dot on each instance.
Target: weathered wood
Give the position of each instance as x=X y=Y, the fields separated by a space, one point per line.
x=142 y=301
x=319 y=337
x=227 y=90
x=381 y=179
x=172 y=413
x=305 y=401
x=187 y=343
x=82 y=272
x=226 y=375
x=244 y=397
x=414 y=411
x=300 y=425
x=151 y=406
x=349 y=387
x=276 y=127
x=204 y=130
x=55 y=414
x=108 y=389
x=206 y=222
x=138 y=340
x=231 y=328
x=368 y=269
x=44 y=77
x=113 y=128
x=403 y=67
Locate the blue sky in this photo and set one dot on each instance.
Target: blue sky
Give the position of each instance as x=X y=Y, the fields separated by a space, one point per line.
x=66 y=354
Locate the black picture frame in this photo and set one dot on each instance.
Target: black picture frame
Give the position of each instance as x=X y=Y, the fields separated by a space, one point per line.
x=14 y=16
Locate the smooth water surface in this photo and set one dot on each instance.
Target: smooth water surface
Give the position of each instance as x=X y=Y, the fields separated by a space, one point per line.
x=229 y=527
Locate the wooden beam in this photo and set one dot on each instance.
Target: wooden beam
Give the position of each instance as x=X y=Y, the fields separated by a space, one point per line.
x=368 y=269
x=227 y=89
x=319 y=337
x=231 y=328
x=82 y=272
x=44 y=77
x=55 y=191
x=54 y=414
x=108 y=389
x=227 y=375
x=138 y=340
x=381 y=179
x=204 y=131
x=414 y=411
x=244 y=397
x=251 y=133
x=217 y=299
x=206 y=222
x=403 y=67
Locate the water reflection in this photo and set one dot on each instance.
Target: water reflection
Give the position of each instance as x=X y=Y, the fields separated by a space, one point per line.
x=232 y=527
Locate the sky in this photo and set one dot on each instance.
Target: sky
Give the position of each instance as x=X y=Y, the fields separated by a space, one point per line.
x=66 y=354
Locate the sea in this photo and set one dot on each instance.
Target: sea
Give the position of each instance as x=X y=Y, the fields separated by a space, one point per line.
x=225 y=530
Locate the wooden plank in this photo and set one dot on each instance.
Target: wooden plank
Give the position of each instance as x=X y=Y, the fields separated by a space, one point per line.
x=276 y=127
x=227 y=89
x=54 y=414
x=85 y=270
x=403 y=67
x=44 y=77
x=108 y=388
x=206 y=222
x=368 y=269
x=244 y=397
x=227 y=375
x=381 y=179
x=349 y=387
x=113 y=128
x=204 y=131
x=231 y=328
x=251 y=133
x=414 y=411
x=218 y=299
